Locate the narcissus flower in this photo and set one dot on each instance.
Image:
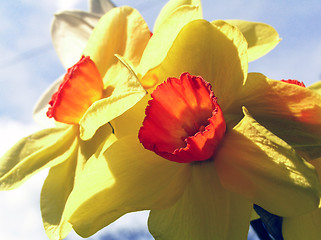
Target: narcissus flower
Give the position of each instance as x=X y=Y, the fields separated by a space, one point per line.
x=71 y=30
x=207 y=160
x=88 y=98
x=83 y=112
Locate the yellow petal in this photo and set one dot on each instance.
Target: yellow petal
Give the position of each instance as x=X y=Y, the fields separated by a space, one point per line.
x=31 y=154
x=261 y=37
x=128 y=178
x=316 y=87
x=61 y=180
x=121 y=31
x=54 y=194
x=291 y=112
x=215 y=52
x=171 y=7
x=134 y=116
x=125 y=92
x=303 y=227
x=205 y=211
x=259 y=165
x=162 y=40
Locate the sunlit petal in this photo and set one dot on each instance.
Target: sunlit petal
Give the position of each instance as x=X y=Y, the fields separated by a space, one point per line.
x=254 y=162
x=123 y=93
x=166 y=33
x=172 y=6
x=316 y=87
x=54 y=194
x=127 y=179
x=121 y=31
x=205 y=211
x=61 y=179
x=31 y=154
x=261 y=37
x=217 y=52
x=291 y=112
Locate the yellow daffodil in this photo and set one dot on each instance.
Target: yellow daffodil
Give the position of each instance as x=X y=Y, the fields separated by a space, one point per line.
x=206 y=161
x=87 y=99
x=96 y=90
x=71 y=30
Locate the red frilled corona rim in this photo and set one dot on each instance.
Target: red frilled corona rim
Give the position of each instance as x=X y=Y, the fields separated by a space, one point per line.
x=183 y=122
x=295 y=82
x=82 y=85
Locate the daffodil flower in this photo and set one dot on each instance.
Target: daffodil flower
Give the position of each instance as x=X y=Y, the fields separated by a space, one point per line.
x=206 y=161
x=71 y=30
x=78 y=142
x=88 y=98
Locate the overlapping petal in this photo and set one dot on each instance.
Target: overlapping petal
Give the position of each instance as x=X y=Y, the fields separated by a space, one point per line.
x=206 y=210
x=117 y=183
x=166 y=33
x=123 y=92
x=59 y=184
x=55 y=192
x=173 y=6
x=70 y=32
x=122 y=24
x=90 y=188
x=291 y=112
x=257 y=164
x=224 y=55
x=306 y=226
x=31 y=154
x=316 y=87
x=261 y=38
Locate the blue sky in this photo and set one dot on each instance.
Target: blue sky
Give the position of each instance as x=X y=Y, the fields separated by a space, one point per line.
x=28 y=64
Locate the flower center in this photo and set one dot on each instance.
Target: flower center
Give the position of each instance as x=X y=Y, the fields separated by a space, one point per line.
x=183 y=122
x=82 y=85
